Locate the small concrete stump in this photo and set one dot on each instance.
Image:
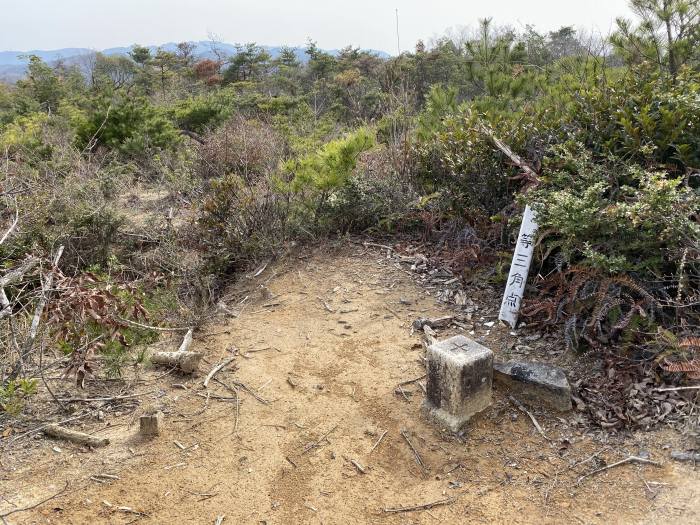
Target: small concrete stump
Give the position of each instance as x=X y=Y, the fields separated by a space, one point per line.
x=460 y=375
x=535 y=383
x=149 y=425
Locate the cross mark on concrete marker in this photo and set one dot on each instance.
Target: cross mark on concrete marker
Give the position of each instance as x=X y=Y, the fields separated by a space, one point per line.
x=462 y=346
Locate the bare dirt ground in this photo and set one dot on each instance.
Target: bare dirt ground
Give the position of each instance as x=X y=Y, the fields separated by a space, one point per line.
x=323 y=342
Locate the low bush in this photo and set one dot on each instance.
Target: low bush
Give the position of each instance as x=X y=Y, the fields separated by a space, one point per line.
x=249 y=149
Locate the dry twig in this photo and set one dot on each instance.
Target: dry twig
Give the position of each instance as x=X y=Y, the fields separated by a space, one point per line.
x=424 y=506
x=378 y=441
x=529 y=414
x=630 y=459
x=35 y=505
x=419 y=460
x=217 y=369
x=317 y=443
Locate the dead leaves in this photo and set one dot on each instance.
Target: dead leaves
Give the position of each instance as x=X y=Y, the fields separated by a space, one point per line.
x=86 y=316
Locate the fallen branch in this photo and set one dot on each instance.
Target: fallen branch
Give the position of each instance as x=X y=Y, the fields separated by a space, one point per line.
x=97 y=399
x=356 y=464
x=253 y=393
x=378 y=441
x=529 y=414
x=35 y=505
x=630 y=459
x=42 y=303
x=425 y=506
x=74 y=436
x=217 y=369
x=531 y=175
x=13 y=225
x=419 y=460
x=43 y=426
x=155 y=328
x=186 y=342
x=317 y=443
x=392 y=312
x=383 y=246
x=411 y=381
x=17 y=273
x=677 y=388
x=186 y=361
x=686 y=456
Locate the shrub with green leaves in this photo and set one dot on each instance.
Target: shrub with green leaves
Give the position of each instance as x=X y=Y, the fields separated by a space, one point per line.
x=129 y=125
x=198 y=113
x=374 y=197
x=14 y=394
x=318 y=176
x=613 y=216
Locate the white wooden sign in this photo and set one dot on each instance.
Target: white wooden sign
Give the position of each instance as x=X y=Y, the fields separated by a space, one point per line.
x=519 y=269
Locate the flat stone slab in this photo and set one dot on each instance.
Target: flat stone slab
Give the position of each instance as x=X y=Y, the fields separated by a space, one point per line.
x=460 y=377
x=536 y=383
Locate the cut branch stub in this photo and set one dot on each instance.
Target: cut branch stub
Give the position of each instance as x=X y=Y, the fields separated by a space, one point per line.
x=188 y=362
x=183 y=359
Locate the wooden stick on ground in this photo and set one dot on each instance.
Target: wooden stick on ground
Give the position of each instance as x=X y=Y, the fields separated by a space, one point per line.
x=325 y=305
x=529 y=414
x=317 y=443
x=185 y=360
x=356 y=464
x=252 y=392
x=411 y=381
x=382 y=246
x=13 y=225
x=630 y=459
x=35 y=505
x=217 y=369
x=104 y=399
x=419 y=460
x=425 y=506
x=74 y=436
x=156 y=328
x=378 y=441
x=676 y=389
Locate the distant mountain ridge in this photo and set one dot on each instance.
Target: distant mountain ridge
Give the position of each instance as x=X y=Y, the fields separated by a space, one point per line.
x=13 y=63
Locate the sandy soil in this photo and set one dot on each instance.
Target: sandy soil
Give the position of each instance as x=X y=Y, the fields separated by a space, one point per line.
x=323 y=342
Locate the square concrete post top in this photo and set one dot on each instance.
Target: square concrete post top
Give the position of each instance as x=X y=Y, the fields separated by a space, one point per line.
x=461 y=350
x=460 y=374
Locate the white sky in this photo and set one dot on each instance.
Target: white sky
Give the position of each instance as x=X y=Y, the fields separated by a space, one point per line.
x=98 y=24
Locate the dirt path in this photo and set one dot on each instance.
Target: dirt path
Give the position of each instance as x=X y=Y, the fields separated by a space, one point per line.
x=324 y=354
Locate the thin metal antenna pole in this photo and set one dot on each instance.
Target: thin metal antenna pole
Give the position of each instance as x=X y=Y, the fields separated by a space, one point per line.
x=398 y=41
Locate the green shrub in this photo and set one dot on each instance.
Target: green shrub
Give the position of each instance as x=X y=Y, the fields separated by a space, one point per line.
x=613 y=216
x=129 y=125
x=198 y=113
x=14 y=393
x=314 y=178
x=374 y=197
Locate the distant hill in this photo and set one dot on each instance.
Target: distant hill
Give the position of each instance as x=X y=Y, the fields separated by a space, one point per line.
x=13 y=63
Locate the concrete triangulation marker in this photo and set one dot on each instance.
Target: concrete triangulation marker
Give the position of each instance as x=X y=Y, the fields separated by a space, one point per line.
x=460 y=376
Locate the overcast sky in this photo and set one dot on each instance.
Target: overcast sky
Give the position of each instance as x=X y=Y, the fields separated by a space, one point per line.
x=98 y=24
